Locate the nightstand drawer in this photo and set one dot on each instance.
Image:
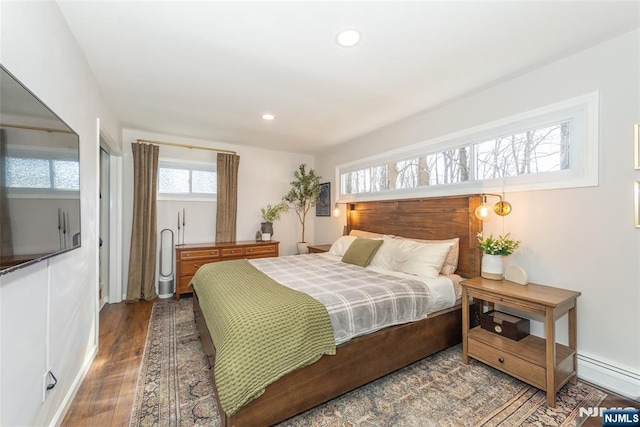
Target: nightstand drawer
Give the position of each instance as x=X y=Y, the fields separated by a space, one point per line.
x=509 y=363
x=318 y=249
x=200 y=254
x=512 y=302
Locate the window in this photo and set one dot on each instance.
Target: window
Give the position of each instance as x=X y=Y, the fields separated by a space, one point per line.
x=186 y=180
x=44 y=174
x=553 y=147
x=432 y=169
x=538 y=150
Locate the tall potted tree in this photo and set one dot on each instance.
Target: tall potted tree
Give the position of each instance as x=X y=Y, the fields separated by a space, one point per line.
x=302 y=196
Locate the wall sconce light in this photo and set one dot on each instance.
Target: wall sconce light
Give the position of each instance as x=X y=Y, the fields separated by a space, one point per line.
x=483 y=212
x=336 y=211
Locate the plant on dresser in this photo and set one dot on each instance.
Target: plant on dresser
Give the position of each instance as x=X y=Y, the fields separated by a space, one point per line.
x=269 y=214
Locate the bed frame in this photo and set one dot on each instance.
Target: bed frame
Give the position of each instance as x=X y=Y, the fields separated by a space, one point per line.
x=366 y=358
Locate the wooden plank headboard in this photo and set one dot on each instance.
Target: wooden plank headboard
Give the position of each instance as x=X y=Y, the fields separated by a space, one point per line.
x=428 y=218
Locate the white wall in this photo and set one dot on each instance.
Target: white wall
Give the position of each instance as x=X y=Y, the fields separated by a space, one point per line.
x=263 y=178
x=582 y=239
x=48 y=312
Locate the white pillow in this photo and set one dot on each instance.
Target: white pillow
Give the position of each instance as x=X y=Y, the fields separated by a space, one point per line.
x=451 y=261
x=384 y=256
x=424 y=260
x=341 y=245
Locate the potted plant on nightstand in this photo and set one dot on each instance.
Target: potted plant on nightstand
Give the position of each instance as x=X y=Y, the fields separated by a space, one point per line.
x=302 y=196
x=494 y=249
x=271 y=213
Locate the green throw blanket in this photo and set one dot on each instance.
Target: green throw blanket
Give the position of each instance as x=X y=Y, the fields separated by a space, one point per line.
x=261 y=330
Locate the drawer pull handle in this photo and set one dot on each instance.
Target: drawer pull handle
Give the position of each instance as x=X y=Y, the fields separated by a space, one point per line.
x=195 y=265
x=500 y=359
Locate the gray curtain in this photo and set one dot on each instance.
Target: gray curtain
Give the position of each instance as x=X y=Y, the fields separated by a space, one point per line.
x=142 y=259
x=6 y=239
x=227 y=205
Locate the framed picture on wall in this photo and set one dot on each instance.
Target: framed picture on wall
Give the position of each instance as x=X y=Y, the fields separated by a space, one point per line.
x=636 y=145
x=323 y=204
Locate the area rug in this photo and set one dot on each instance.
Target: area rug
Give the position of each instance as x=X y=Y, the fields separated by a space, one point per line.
x=174 y=389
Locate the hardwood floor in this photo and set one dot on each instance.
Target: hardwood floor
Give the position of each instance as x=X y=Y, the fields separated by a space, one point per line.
x=106 y=395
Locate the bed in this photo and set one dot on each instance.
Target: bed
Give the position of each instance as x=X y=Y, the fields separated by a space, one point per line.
x=371 y=356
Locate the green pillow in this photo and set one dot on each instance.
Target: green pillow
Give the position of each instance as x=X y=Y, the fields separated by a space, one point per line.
x=361 y=251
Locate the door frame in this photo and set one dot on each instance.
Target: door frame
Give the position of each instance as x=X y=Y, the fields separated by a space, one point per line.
x=115 y=285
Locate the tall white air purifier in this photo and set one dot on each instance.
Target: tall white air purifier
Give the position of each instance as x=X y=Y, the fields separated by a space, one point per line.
x=166 y=281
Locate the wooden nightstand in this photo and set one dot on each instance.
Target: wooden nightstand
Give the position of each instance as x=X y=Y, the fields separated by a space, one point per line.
x=316 y=249
x=540 y=362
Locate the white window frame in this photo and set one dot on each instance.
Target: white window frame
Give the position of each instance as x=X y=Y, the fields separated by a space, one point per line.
x=191 y=165
x=583 y=111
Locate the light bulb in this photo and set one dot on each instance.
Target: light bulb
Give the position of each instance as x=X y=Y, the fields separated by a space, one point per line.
x=336 y=211
x=483 y=212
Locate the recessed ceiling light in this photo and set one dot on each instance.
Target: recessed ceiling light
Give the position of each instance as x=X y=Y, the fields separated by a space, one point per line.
x=348 y=37
x=268 y=116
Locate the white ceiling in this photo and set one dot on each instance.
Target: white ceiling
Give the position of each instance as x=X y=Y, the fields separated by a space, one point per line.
x=210 y=69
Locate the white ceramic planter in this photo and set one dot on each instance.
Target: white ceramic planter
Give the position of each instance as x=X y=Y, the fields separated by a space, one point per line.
x=303 y=247
x=492 y=267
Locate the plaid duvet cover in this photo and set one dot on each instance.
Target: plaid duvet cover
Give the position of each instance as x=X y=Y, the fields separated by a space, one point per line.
x=359 y=300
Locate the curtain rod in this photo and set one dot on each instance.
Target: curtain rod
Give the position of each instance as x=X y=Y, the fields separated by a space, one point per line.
x=7 y=125
x=172 y=144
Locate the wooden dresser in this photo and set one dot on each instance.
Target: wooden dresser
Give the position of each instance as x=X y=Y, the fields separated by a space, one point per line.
x=541 y=362
x=191 y=257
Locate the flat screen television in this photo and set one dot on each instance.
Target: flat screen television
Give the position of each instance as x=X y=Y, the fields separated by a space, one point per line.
x=39 y=179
